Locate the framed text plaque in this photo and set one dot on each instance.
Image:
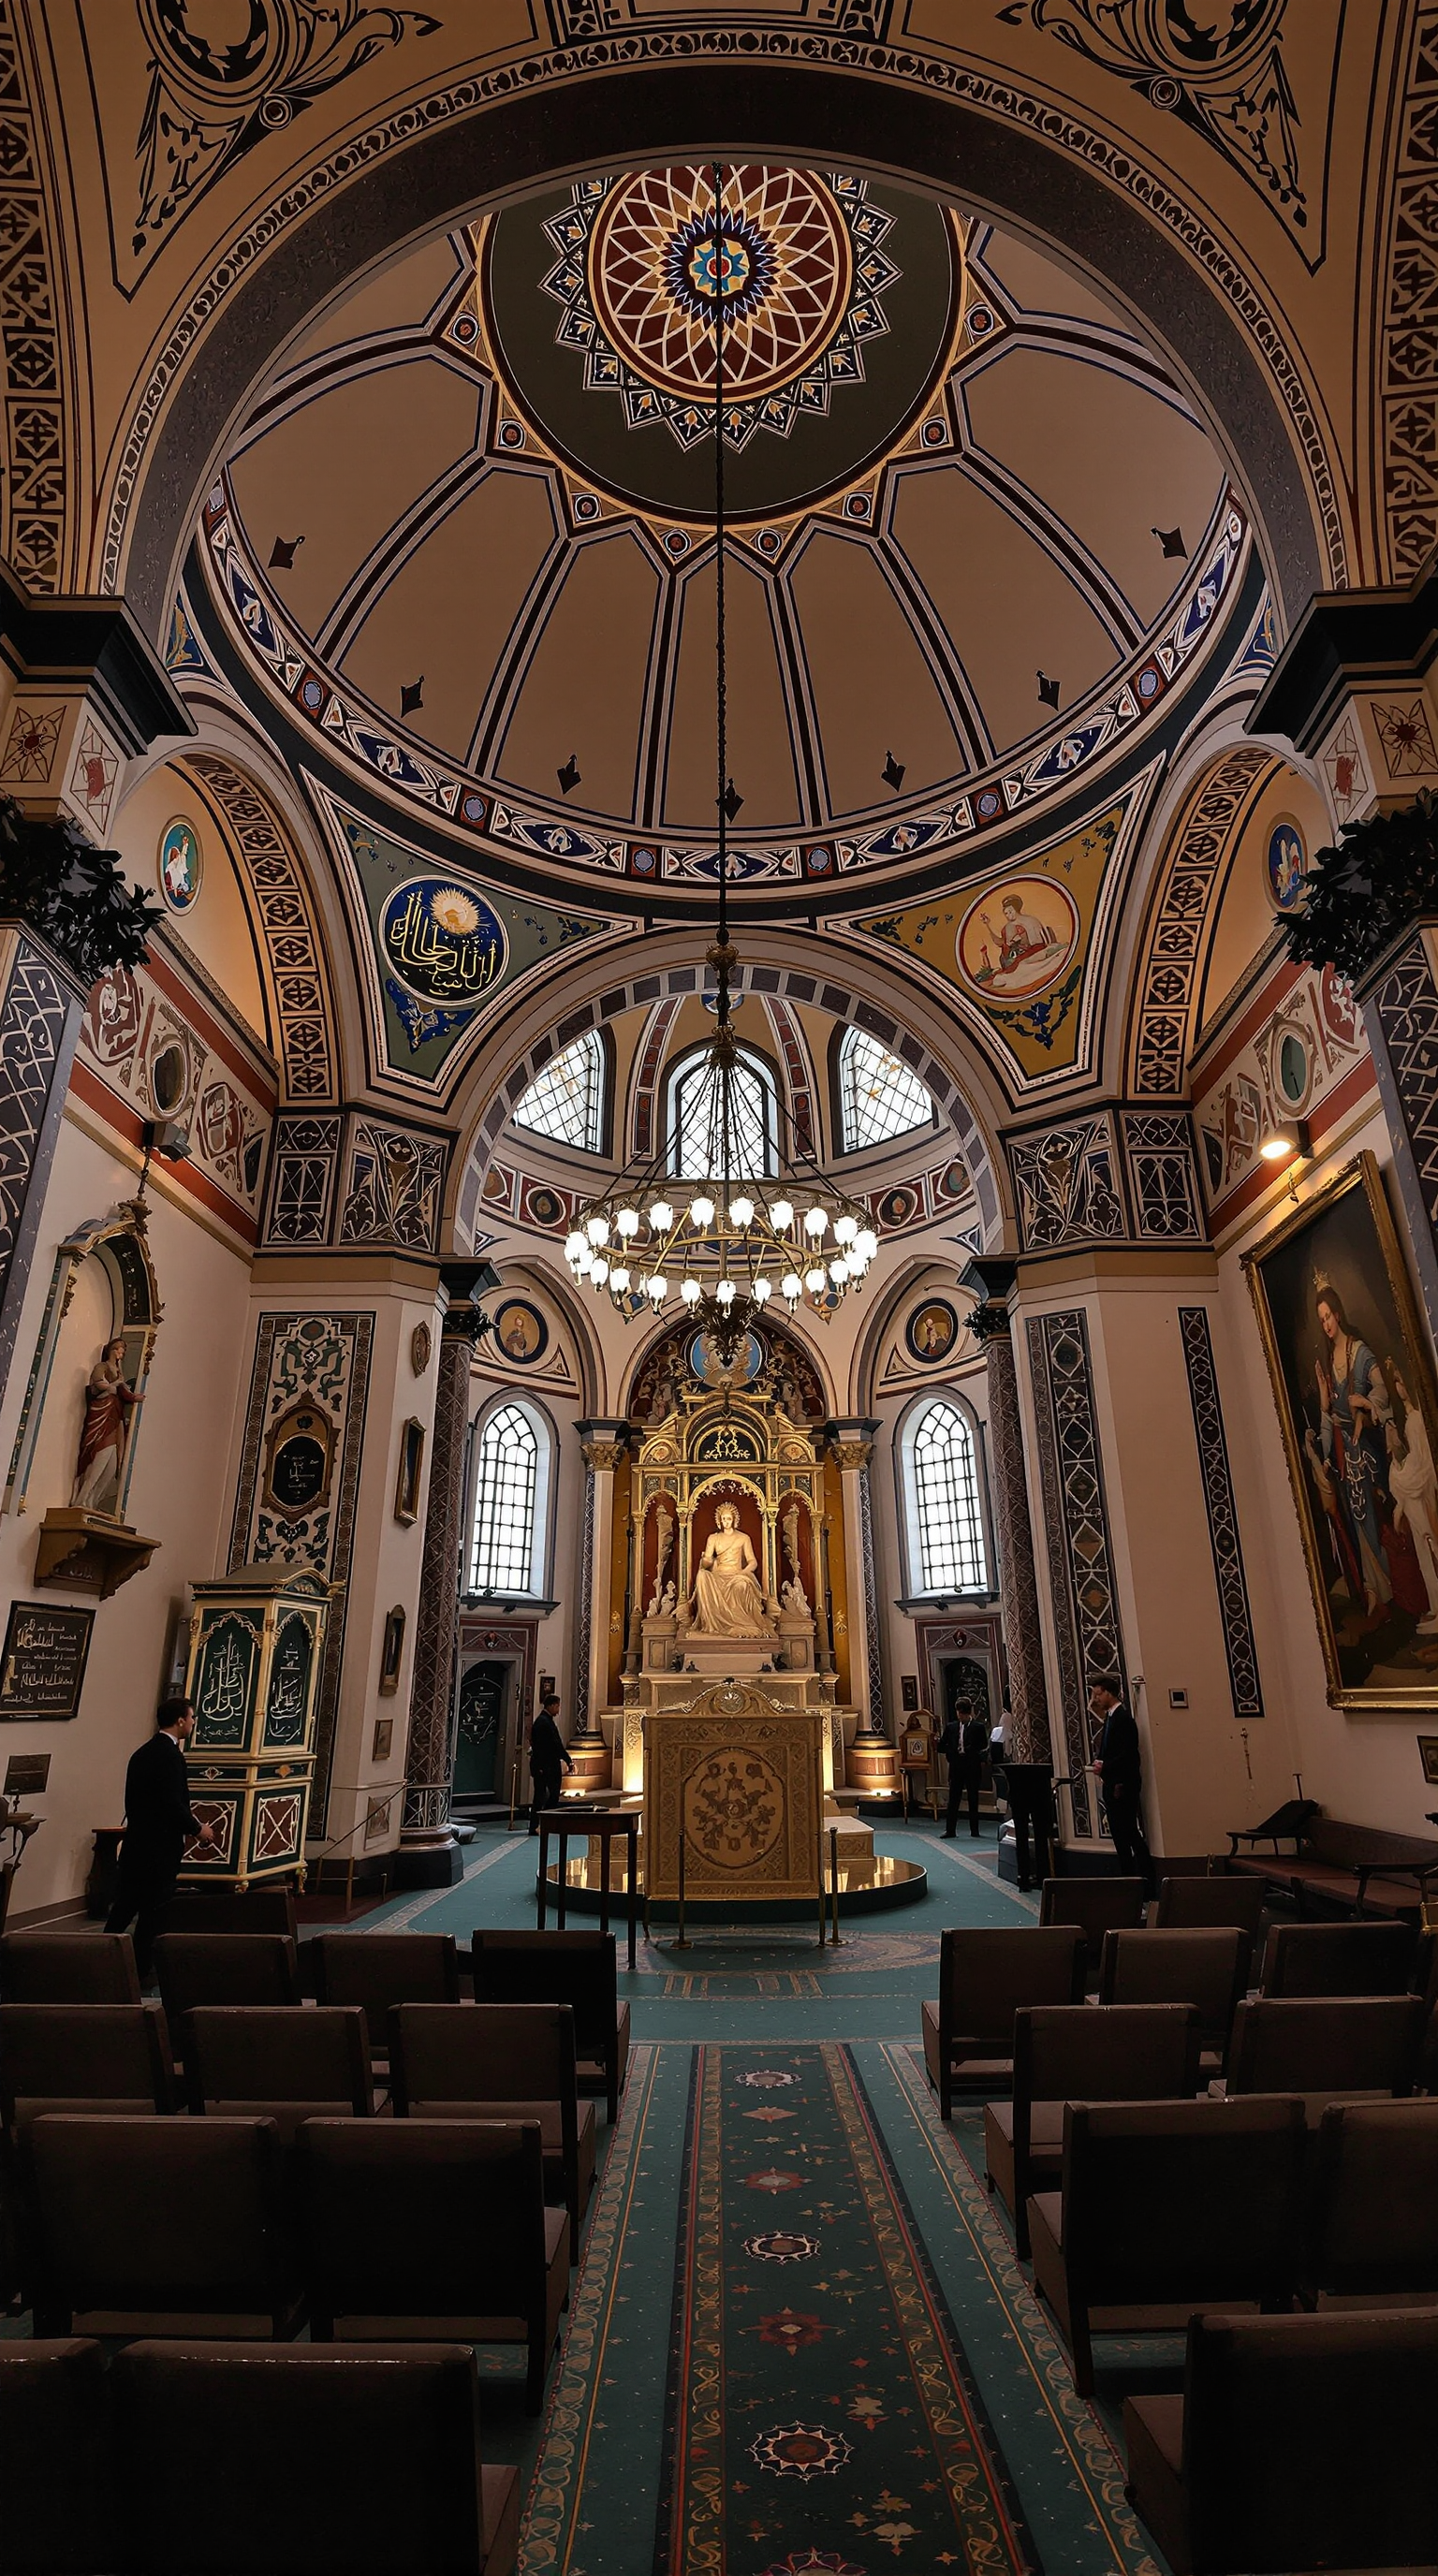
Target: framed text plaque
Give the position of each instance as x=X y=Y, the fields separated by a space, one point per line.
x=42 y=1671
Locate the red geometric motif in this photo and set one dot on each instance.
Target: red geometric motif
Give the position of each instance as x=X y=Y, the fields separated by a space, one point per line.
x=772 y=2181
x=791 y=2331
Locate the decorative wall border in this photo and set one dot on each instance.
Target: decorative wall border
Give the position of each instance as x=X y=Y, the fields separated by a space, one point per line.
x=810 y=48
x=1407 y=408
x=1082 y=1588
x=286 y=920
x=35 y=488
x=1167 y=980
x=1239 y=1645
x=329 y=1543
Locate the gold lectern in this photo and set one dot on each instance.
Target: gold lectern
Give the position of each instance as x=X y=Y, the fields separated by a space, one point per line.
x=256 y=1647
x=740 y=1778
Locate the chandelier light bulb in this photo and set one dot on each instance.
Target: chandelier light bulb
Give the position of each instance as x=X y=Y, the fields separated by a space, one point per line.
x=701 y=1211
x=598 y=1229
x=781 y=1216
x=741 y=1213
x=619 y=1281
x=815 y=1282
x=762 y=1291
x=815 y=1222
x=574 y=1244
x=866 y=1242
x=628 y=1221
x=845 y=1228
x=599 y=1272
x=658 y=1289
x=661 y=1216
x=583 y=1263
x=839 y=1272
x=793 y=1286
x=725 y=1292
x=690 y=1291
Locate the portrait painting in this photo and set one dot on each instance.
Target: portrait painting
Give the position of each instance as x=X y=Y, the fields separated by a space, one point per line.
x=179 y=864
x=1359 y=1415
x=521 y=1332
x=409 y=1480
x=1017 y=938
x=1427 y=1755
x=932 y=1330
x=1287 y=864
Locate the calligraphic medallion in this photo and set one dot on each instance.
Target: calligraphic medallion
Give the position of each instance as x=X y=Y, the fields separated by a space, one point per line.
x=441 y=941
x=734 y=1807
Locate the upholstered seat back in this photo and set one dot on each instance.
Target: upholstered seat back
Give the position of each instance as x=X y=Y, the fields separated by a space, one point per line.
x=223 y=1968
x=423 y=2217
x=482 y=2053
x=242 y=2053
x=54 y=2509
x=1206 y=1904
x=1208 y=1968
x=984 y=1977
x=1167 y=2202
x=82 y=2055
x=1337 y=1959
x=381 y=1969
x=1374 y=2224
x=1105 y=2053
x=575 y=1968
x=68 y=1968
x=1097 y=1905
x=151 y=2217
x=1313 y=2043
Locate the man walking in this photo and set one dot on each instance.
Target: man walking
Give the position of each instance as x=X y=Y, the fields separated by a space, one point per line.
x=1118 y=1767
x=546 y=1756
x=158 y=1825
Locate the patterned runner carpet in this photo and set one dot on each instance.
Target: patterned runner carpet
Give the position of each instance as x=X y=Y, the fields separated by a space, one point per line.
x=820 y=2413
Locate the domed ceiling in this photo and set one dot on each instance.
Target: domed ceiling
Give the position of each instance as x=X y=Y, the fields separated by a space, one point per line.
x=977 y=534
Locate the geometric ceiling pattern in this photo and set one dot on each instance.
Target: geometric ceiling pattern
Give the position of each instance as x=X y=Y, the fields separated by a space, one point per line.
x=977 y=531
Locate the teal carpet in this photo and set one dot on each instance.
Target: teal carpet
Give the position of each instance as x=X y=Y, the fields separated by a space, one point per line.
x=873 y=2388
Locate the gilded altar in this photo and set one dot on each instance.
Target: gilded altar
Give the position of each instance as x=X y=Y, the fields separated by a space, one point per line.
x=737 y=1779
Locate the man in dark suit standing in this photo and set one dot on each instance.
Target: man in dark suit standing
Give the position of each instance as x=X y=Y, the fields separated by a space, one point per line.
x=158 y=1825
x=546 y=1755
x=963 y=1744
x=1118 y=1766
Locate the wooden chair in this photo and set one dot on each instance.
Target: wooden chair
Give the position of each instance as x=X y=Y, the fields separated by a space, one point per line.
x=53 y=2521
x=214 y=1909
x=1115 y=2053
x=68 y=1968
x=580 y=1969
x=223 y=1968
x=160 y=2227
x=500 y=2062
x=381 y=1969
x=984 y=1978
x=433 y=2231
x=1373 y=2217
x=267 y=2062
x=337 y=2464
x=1206 y=1968
x=1097 y=1905
x=1337 y=1959
x=1299 y=2442
x=1211 y=1905
x=1325 y=2046
x=1167 y=2207
x=112 y=2058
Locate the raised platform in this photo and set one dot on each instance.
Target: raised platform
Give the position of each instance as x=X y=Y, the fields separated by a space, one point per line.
x=865 y=1887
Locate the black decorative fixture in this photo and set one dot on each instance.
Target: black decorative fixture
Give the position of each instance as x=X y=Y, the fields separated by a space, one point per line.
x=729 y=1239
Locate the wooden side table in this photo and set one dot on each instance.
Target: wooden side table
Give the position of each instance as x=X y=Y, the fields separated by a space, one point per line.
x=606 y=1823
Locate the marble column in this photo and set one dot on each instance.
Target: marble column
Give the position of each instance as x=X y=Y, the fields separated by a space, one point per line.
x=430 y=1856
x=852 y=1446
x=604 y=1444
x=1018 y=1582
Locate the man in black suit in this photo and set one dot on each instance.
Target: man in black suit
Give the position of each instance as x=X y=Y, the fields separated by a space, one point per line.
x=1118 y=1766
x=546 y=1754
x=158 y=1825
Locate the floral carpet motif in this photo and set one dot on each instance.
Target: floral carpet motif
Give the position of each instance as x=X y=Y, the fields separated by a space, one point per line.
x=830 y=2422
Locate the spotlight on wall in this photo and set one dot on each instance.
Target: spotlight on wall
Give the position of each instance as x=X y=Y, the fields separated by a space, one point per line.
x=1285 y=1141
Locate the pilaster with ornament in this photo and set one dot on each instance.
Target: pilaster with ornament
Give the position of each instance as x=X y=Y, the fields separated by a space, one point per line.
x=1356 y=690
x=604 y=1443
x=1018 y=1581
x=430 y=1854
x=851 y=1446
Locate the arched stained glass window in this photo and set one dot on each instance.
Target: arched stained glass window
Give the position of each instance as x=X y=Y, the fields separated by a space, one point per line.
x=878 y=1096
x=566 y=1100
x=693 y=1118
x=510 y=1497
x=947 y=1553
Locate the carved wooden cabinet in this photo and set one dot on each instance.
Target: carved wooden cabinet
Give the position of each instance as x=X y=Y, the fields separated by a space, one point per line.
x=256 y=1646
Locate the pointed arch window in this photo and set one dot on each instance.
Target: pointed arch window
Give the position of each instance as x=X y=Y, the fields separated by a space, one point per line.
x=878 y=1095
x=693 y=1106
x=566 y=1100
x=508 y=1548
x=943 y=1503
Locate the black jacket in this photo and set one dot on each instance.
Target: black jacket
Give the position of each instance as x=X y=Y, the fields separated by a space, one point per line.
x=546 y=1749
x=976 y=1738
x=158 y=1819
x=1118 y=1751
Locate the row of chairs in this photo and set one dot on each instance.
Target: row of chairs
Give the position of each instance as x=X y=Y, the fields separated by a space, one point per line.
x=1322 y=2050
x=371 y=2462
x=375 y=1970
x=445 y=2061
x=985 y=1977
x=370 y=2231
x=1163 y=2208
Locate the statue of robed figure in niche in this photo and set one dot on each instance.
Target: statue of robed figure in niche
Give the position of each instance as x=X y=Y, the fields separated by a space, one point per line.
x=110 y=1404
x=727 y=1598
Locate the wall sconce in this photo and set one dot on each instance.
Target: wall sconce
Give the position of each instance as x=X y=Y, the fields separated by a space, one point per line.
x=1286 y=1140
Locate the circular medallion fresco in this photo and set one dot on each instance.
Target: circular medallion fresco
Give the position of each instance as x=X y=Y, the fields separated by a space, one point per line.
x=932 y=1330
x=1287 y=865
x=442 y=942
x=1016 y=939
x=838 y=299
x=520 y=1331
x=179 y=864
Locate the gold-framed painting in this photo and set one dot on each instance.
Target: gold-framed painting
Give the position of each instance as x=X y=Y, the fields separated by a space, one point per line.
x=1353 y=1382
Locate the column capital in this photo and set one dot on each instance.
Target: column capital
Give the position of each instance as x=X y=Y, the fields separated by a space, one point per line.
x=1353 y=690
x=851 y=1439
x=604 y=1441
x=992 y=1277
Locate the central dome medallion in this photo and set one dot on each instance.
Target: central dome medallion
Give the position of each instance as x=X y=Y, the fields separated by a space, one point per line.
x=828 y=283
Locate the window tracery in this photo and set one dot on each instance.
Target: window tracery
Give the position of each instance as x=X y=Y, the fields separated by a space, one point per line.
x=878 y=1095
x=510 y=1493
x=566 y=1099
x=946 y=1543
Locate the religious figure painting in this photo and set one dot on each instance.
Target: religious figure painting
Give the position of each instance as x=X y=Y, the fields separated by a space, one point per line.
x=521 y=1331
x=1359 y=1415
x=1017 y=939
x=1287 y=865
x=932 y=1330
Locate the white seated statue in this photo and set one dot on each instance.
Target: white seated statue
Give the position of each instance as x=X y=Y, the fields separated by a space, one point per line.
x=727 y=1598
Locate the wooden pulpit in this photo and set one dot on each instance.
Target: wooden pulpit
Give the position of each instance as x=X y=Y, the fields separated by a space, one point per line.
x=740 y=1779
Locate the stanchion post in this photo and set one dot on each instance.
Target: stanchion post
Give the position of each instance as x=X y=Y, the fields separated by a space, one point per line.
x=835 y=1943
x=682 y=1942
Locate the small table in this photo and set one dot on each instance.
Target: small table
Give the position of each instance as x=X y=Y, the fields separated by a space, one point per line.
x=606 y=1822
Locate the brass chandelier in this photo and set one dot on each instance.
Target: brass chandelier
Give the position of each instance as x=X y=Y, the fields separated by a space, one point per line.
x=730 y=1240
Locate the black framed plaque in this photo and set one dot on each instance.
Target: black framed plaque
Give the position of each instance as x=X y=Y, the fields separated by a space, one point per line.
x=42 y=1671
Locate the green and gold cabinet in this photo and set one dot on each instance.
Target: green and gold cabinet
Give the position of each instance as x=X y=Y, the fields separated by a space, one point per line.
x=256 y=1646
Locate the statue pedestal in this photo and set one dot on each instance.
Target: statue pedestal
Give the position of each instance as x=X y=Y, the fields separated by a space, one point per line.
x=723 y=1656
x=737 y=1777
